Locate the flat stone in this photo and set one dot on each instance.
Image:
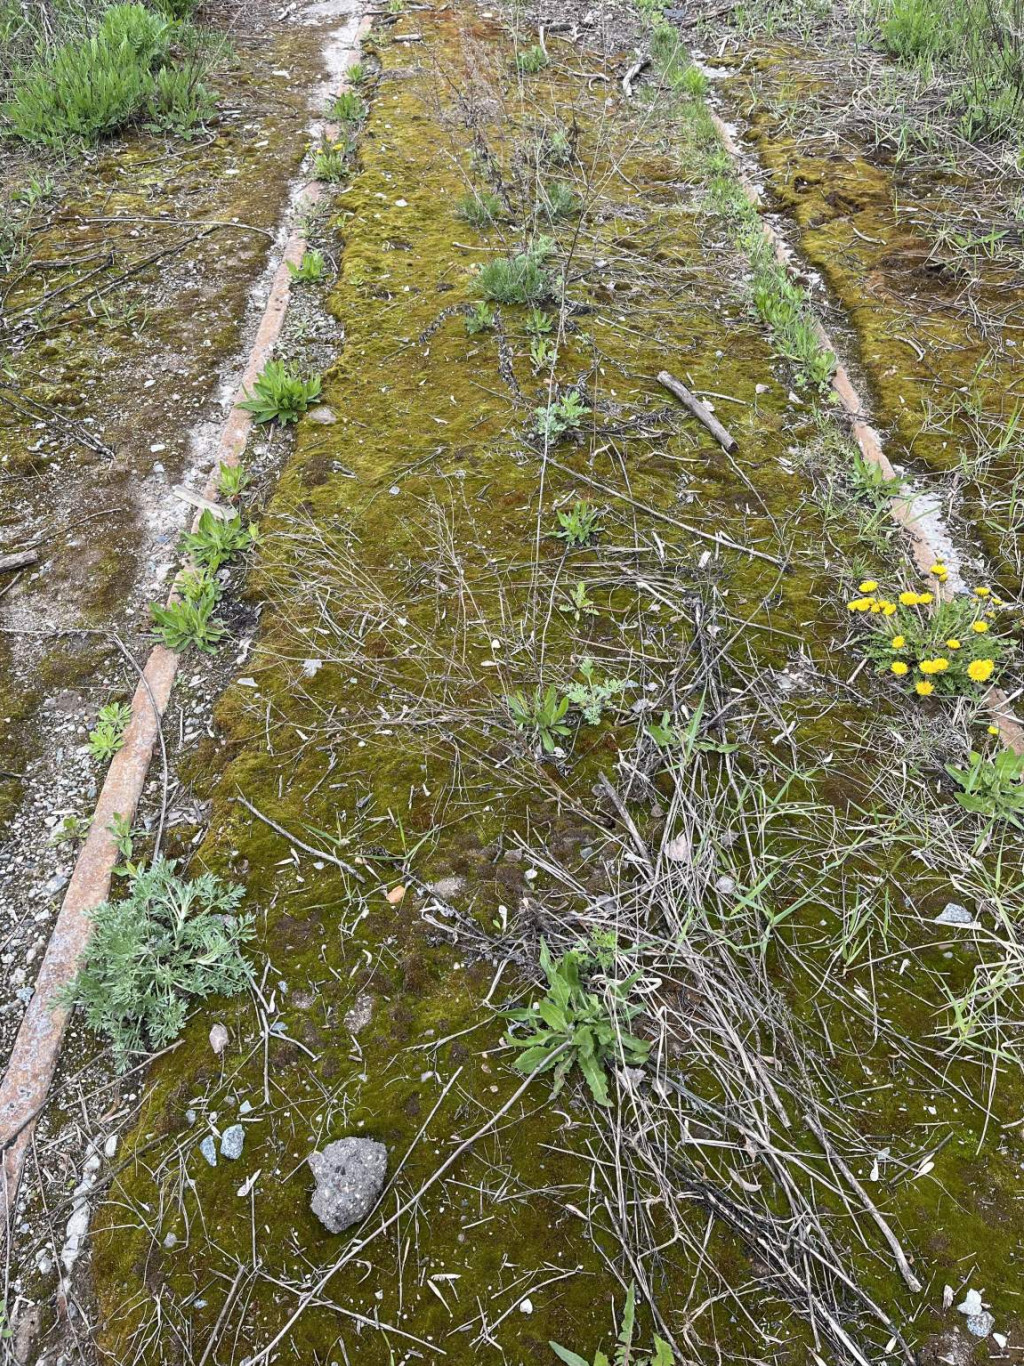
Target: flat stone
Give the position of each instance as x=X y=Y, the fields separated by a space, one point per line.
x=954 y=914
x=322 y=414
x=980 y=1324
x=208 y=1148
x=349 y=1178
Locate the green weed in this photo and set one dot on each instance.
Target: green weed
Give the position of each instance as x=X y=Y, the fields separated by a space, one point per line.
x=232 y=481
x=579 y=525
x=480 y=210
x=480 y=318
x=280 y=394
x=993 y=788
x=564 y=415
x=531 y=60
x=107 y=736
x=311 y=268
x=519 y=279
x=580 y=604
x=625 y=1354
x=190 y=620
x=594 y=695
x=543 y=716
x=217 y=539
x=571 y=1026
x=557 y=201
x=349 y=107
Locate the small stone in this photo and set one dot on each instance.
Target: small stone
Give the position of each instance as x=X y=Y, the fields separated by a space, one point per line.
x=954 y=914
x=218 y=1038
x=171 y=1240
x=396 y=895
x=208 y=1148
x=972 y=1303
x=526 y=1306
x=360 y=1015
x=322 y=414
x=232 y=1141
x=725 y=885
x=349 y=1177
x=980 y=1324
x=190 y=1117
x=245 y=1108
x=679 y=850
x=448 y=887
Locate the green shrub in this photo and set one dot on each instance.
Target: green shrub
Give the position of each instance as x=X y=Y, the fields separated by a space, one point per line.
x=917 y=29
x=515 y=280
x=135 y=30
x=180 y=102
x=558 y=200
x=531 y=59
x=480 y=210
x=166 y=944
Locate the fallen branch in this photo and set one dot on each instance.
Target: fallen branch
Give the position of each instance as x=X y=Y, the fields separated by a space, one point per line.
x=703 y=414
x=631 y=75
x=18 y=559
x=306 y=848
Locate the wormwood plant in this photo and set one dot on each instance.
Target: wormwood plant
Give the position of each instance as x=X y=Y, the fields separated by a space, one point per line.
x=558 y=200
x=949 y=647
x=480 y=319
x=593 y=695
x=992 y=787
x=149 y=956
x=573 y=1027
x=189 y=620
x=217 y=539
x=107 y=736
x=564 y=415
x=310 y=269
x=519 y=279
x=625 y=1354
x=543 y=717
x=480 y=210
x=543 y=354
x=281 y=394
x=579 y=525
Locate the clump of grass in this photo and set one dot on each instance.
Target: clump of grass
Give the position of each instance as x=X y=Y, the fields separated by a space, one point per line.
x=782 y=304
x=281 y=394
x=480 y=210
x=950 y=647
x=168 y=943
x=330 y=163
x=626 y=1354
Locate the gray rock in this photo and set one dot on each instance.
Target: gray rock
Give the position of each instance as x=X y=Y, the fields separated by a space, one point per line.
x=232 y=1141
x=208 y=1148
x=322 y=415
x=349 y=1178
x=954 y=914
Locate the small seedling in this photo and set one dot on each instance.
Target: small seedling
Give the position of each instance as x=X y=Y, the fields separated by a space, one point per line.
x=356 y=73
x=538 y=323
x=579 y=525
x=625 y=1353
x=870 y=480
x=480 y=210
x=543 y=717
x=543 y=354
x=531 y=60
x=564 y=415
x=72 y=830
x=107 y=736
x=992 y=787
x=580 y=604
x=349 y=107
x=310 y=269
x=573 y=1027
x=280 y=394
x=124 y=842
x=217 y=539
x=480 y=319
x=232 y=481
x=190 y=620
x=593 y=695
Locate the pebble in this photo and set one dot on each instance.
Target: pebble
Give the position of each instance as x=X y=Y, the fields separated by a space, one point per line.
x=980 y=1324
x=232 y=1141
x=954 y=914
x=208 y=1148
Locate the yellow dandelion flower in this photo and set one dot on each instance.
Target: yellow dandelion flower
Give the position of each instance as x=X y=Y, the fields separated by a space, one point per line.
x=938 y=568
x=923 y=688
x=934 y=666
x=993 y=730
x=980 y=626
x=925 y=598
x=859 y=605
x=982 y=592
x=980 y=670
x=898 y=642
x=952 y=644
x=899 y=668
x=868 y=586
x=889 y=609
x=908 y=598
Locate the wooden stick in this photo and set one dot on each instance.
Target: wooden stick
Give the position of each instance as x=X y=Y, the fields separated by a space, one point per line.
x=725 y=439
x=631 y=75
x=19 y=559
x=911 y=1281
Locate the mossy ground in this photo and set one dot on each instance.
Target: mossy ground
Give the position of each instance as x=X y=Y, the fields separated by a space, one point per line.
x=410 y=580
